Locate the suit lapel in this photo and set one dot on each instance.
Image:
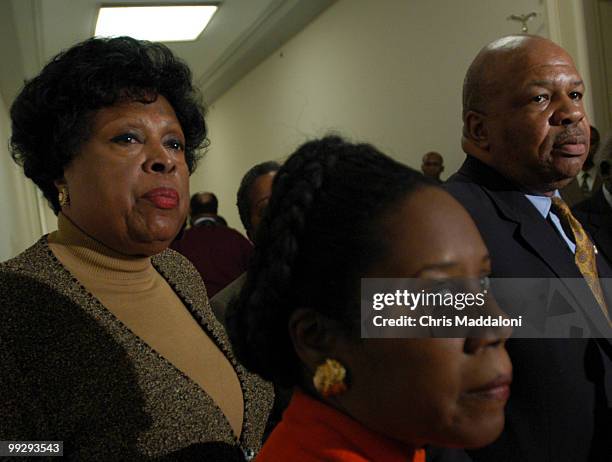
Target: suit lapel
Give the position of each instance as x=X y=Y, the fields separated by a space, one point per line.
x=545 y=242
x=536 y=232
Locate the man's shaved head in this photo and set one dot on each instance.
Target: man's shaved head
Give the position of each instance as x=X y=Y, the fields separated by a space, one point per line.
x=523 y=112
x=483 y=77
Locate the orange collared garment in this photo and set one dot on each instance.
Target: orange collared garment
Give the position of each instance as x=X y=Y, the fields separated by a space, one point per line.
x=312 y=431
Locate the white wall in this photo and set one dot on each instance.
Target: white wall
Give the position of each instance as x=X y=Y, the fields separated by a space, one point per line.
x=598 y=16
x=570 y=24
x=387 y=72
x=19 y=225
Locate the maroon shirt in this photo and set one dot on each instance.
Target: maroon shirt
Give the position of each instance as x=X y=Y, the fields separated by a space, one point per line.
x=219 y=253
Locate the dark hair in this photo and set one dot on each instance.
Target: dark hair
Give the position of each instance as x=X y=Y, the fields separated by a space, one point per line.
x=321 y=233
x=203 y=202
x=52 y=115
x=243 y=200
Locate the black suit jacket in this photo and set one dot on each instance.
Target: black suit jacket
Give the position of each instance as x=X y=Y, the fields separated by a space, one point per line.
x=595 y=214
x=560 y=408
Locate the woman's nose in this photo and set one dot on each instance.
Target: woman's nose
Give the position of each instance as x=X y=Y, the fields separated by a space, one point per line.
x=159 y=160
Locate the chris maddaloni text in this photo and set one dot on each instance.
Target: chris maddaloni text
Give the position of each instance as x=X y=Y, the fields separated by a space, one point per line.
x=447 y=321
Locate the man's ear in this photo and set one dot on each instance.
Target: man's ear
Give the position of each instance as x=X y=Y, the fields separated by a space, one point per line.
x=475 y=130
x=314 y=337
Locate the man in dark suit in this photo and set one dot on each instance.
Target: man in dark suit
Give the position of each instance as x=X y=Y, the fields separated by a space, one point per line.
x=588 y=181
x=596 y=213
x=526 y=135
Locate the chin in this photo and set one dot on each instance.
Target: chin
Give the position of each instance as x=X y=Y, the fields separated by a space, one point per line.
x=151 y=242
x=167 y=235
x=559 y=179
x=560 y=184
x=471 y=431
x=568 y=168
x=160 y=241
x=154 y=249
x=162 y=228
x=481 y=435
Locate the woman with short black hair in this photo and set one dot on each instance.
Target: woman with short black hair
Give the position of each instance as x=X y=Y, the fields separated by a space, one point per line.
x=107 y=341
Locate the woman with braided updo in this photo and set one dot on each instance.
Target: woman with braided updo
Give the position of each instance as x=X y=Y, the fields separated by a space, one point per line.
x=340 y=212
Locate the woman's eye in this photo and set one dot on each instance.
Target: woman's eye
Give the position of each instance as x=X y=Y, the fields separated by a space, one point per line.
x=127 y=138
x=176 y=145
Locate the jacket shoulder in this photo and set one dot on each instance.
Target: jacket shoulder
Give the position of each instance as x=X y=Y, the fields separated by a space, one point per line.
x=37 y=259
x=474 y=198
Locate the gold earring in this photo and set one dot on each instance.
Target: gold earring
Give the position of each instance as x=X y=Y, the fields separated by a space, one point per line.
x=329 y=378
x=63 y=196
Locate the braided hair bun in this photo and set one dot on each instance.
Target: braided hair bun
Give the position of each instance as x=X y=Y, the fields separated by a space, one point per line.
x=321 y=233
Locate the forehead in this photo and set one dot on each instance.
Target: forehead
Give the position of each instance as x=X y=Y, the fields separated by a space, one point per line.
x=432 y=156
x=159 y=110
x=428 y=212
x=204 y=197
x=261 y=188
x=536 y=63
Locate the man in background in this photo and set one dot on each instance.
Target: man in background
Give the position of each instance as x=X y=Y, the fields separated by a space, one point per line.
x=433 y=166
x=252 y=198
x=253 y=195
x=203 y=210
x=218 y=252
x=588 y=180
x=595 y=213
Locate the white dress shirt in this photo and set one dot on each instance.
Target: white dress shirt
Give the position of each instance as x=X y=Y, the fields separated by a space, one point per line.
x=544 y=204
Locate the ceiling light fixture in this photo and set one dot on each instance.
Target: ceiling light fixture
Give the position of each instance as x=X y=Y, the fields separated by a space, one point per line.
x=155 y=23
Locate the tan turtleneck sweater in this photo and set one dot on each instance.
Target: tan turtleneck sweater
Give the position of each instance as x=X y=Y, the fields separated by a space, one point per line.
x=132 y=290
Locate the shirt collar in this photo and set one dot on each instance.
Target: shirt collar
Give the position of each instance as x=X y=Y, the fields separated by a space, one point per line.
x=200 y=220
x=592 y=172
x=542 y=203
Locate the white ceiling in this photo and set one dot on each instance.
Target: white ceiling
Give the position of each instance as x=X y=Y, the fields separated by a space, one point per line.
x=240 y=35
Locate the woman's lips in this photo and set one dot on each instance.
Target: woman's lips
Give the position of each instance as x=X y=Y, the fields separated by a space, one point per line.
x=163 y=198
x=498 y=389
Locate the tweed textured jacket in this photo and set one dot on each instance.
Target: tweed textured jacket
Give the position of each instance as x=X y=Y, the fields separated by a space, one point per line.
x=71 y=371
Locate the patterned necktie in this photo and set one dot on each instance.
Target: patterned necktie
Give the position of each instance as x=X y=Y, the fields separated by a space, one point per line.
x=584 y=187
x=585 y=253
